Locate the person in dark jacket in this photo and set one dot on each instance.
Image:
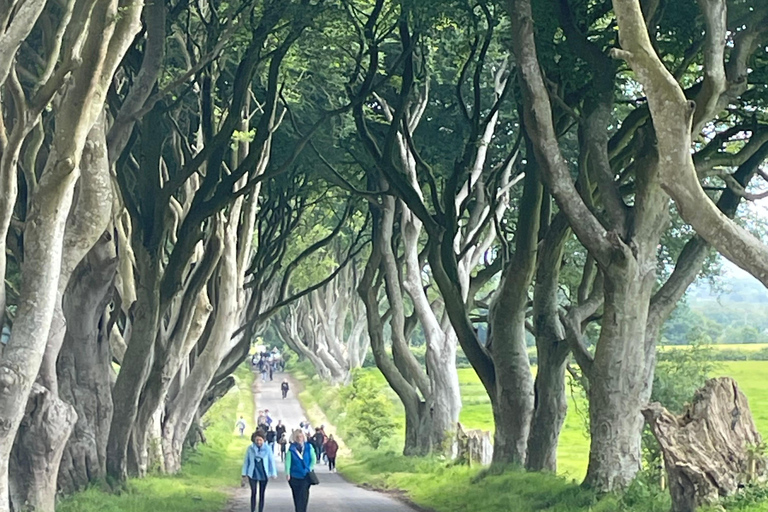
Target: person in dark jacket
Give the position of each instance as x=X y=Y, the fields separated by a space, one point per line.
x=279 y=430
x=299 y=461
x=331 y=448
x=284 y=387
x=271 y=438
x=283 y=442
x=259 y=466
x=318 y=440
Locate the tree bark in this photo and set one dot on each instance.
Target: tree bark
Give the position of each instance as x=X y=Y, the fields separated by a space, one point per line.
x=615 y=420
x=513 y=399
x=86 y=223
x=84 y=368
x=35 y=457
x=136 y=366
x=416 y=431
x=550 y=402
x=174 y=346
x=444 y=400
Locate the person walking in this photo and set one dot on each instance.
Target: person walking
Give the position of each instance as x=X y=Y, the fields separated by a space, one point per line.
x=264 y=371
x=299 y=462
x=284 y=387
x=283 y=441
x=331 y=449
x=271 y=439
x=318 y=440
x=259 y=466
x=241 y=426
x=261 y=421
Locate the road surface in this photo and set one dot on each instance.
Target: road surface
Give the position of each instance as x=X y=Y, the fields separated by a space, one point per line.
x=332 y=495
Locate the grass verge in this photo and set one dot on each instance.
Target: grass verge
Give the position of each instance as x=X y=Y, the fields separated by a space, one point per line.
x=433 y=483
x=207 y=474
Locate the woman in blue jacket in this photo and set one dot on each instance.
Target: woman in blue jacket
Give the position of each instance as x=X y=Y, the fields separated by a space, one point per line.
x=258 y=468
x=299 y=461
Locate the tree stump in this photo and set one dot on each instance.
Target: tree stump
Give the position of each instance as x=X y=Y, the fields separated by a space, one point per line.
x=709 y=451
x=472 y=447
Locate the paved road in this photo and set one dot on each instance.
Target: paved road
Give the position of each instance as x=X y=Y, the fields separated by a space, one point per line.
x=332 y=495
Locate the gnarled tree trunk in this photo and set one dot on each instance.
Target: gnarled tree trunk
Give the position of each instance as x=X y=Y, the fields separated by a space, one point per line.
x=707 y=448
x=35 y=457
x=84 y=367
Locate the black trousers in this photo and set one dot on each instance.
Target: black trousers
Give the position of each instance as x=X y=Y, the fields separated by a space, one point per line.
x=257 y=486
x=331 y=463
x=300 y=491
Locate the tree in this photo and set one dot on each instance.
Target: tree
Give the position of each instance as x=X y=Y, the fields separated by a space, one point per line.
x=622 y=236
x=328 y=327
x=677 y=118
x=101 y=46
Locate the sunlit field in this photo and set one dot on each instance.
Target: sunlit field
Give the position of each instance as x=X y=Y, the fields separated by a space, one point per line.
x=740 y=347
x=573 y=450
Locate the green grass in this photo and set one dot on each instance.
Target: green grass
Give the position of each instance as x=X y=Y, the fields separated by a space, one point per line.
x=573 y=450
x=433 y=483
x=206 y=476
x=741 y=347
x=752 y=378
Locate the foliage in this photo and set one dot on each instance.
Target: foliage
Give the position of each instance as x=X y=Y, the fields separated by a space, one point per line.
x=369 y=410
x=679 y=374
x=200 y=487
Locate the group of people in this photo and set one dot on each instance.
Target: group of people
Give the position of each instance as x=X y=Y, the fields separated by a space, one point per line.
x=268 y=363
x=300 y=453
x=325 y=446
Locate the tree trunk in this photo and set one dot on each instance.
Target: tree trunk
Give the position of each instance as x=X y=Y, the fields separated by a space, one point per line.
x=617 y=380
x=107 y=40
x=550 y=407
x=418 y=429
x=86 y=223
x=550 y=401
x=136 y=366
x=513 y=398
x=35 y=458
x=707 y=448
x=445 y=394
x=513 y=402
x=84 y=368
x=183 y=409
x=159 y=382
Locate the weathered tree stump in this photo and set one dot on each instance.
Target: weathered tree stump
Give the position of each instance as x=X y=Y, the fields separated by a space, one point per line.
x=472 y=447
x=709 y=450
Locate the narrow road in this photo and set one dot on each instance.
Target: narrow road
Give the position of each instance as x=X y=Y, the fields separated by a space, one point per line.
x=333 y=494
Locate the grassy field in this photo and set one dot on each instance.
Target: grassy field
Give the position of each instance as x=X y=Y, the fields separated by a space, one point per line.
x=433 y=483
x=741 y=347
x=206 y=474
x=573 y=451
